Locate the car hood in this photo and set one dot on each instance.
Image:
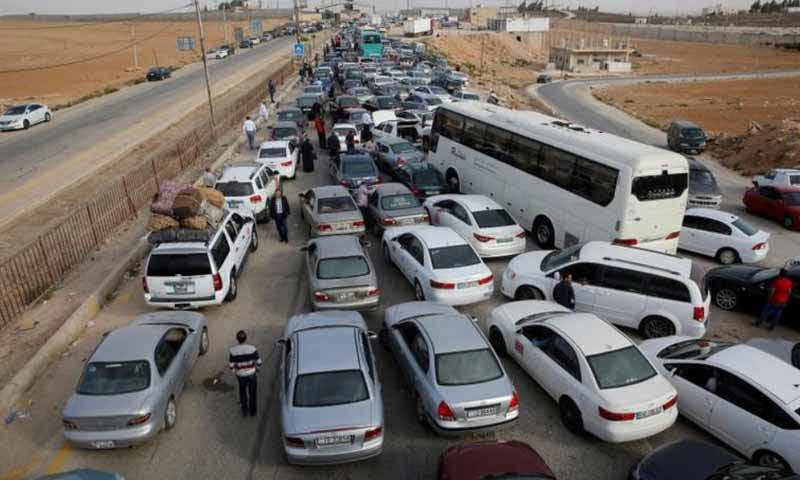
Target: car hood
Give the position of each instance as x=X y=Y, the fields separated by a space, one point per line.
x=477 y=460
x=380 y=116
x=315 y=419
x=10 y=118
x=687 y=460
x=704 y=189
x=105 y=405
x=528 y=263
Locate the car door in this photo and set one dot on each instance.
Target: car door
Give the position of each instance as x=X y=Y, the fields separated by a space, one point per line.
x=715 y=235
x=692 y=233
x=414 y=262
x=334 y=168
x=412 y=354
x=308 y=206
x=620 y=296
x=692 y=381
x=221 y=254
x=237 y=253
x=244 y=229
x=527 y=351
x=461 y=222
x=400 y=252
x=441 y=213
x=585 y=280
x=771 y=203
x=36 y=113
x=168 y=361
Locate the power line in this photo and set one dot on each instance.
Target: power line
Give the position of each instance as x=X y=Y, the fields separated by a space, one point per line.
x=92 y=24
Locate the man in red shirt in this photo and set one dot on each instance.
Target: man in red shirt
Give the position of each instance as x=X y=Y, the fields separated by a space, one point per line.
x=779 y=292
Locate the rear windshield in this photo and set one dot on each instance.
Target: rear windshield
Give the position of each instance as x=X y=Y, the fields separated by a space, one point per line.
x=692 y=350
x=342 y=267
x=170 y=265
x=306 y=101
x=428 y=178
x=467 y=368
x=659 y=187
x=107 y=378
x=359 y=168
x=433 y=101
x=330 y=388
x=399 y=202
x=342 y=132
x=336 y=205
x=745 y=227
x=403 y=147
x=272 y=153
x=453 y=257
x=387 y=102
x=493 y=218
x=284 y=132
x=349 y=102
x=235 y=189
x=702 y=177
x=470 y=96
x=287 y=116
x=620 y=368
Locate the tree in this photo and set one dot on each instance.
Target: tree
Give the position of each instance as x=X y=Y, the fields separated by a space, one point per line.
x=224 y=6
x=755 y=7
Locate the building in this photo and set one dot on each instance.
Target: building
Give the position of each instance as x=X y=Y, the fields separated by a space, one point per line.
x=583 y=59
x=717 y=9
x=432 y=12
x=640 y=20
x=519 y=24
x=479 y=15
x=310 y=16
x=793 y=10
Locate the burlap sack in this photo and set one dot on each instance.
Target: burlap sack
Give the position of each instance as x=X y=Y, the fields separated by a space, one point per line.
x=212 y=213
x=161 y=222
x=197 y=222
x=214 y=197
x=186 y=205
x=167 y=191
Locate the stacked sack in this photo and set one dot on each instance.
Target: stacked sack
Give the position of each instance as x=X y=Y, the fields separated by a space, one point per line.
x=183 y=213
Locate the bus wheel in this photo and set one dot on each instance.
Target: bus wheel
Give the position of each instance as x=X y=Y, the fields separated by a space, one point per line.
x=543 y=233
x=453 y=182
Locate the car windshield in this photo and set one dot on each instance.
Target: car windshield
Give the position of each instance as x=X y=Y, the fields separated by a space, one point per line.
x=470 y=96
x=745 y=227
x=792 y=198
x=692 y=133
x=467 y=368
x=342 y=267
x=360 y=91
x=184 y=264
x=284 y=132
x=306 y=101
x=701 y=177
x=438 y=91
x=428 y=178
x=387 y=102
x=342 y=132
x=349 y=102
x=272 y=153
x=336 y=205
x=456 y=256
x=399 y=202
x=433 y=101
x=235 y=189
x=794 y=179
x=326 y=389
x=114 y=378
x=693 y=350
x=559 y=258
x=493 y=218
x=620 y=368
x=313 y=89
x=19 y=110
x=403 y=147
x=289 y=116
x=359 y=168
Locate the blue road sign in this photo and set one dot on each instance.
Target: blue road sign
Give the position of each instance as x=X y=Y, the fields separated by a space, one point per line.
x=299 y=50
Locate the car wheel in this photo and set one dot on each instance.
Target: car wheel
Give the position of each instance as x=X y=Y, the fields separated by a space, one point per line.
x=766 y=458
x=254 y=240
x=543 y=233
x=205 y=342
x=726 y=298
x=787 y=221
x=727 y=256
x=419 y=294
x=47 y=117
x=499 y=345
x=387 y=257
x=233 y=290
x=26 y=124
x=656 y=327
x=528 y=293
x=170 y=414
x=570 y=416
x=453 y=182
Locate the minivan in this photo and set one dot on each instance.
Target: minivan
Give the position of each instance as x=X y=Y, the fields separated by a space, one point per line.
x=685 y=136
x=703 y=188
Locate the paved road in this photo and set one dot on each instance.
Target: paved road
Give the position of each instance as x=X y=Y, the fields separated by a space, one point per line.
x=36 y=162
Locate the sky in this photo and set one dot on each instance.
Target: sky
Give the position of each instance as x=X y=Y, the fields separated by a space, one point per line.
x=146 y=6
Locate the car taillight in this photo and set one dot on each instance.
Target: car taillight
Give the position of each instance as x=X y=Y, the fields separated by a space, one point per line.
x=359 y=223
x=514 y=404
x=217 y=282
x=759 y=246
x=482 y=238
x=323 y=227
x=699 y=313
x=426 y=218
x=295 y=442
x=485 y=280
x=416 y=191
x=69 y=425
x=255 y=199
x=321 y=296
x=144 y=285
x=615 y=417
x=139 y=420
x=628 y=242
x=444 y=286
x=345 y=183
x=286 y=164
x=670 y=403
x=373 y=292
x=445 y=413
x=521 y=234
x=389 y=221
x=374 y=433
x=378 y=180
x=673 y=235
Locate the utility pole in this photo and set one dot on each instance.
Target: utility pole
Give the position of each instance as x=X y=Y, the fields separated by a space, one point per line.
x=135 y=47
x=225 y=23
x=205 y=62
x=296 y=22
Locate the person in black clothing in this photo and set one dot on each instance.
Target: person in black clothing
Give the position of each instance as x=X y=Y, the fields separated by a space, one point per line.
x=333 y=145
x=271 y=88
x=307 y=152
x=563 y=293
x=316 y=110
x=366 y=134
x=350 y=141
x=279 y=211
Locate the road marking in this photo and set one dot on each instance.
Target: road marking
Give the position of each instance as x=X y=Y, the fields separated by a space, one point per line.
x=58 y=461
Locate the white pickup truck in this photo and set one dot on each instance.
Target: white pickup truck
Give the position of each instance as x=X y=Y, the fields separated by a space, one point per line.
x=777 y=177
x=386 y=123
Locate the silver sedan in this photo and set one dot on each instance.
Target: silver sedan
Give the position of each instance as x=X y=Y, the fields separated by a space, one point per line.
x=330 y=210
x=458 y=383
x=130 y=386
x=341 y=275
x=393 y=204
x=395 y=151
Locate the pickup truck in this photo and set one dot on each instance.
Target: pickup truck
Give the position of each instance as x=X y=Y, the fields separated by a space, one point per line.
x=387 y=124
x=776 y=177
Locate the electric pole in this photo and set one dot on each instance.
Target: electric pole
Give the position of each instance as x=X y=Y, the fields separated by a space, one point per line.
x=205 y=62
x=225 y=23
x=135 y=47
x=296 y=22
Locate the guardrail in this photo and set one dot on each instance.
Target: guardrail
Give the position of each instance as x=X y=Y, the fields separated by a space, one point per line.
x=34 y=269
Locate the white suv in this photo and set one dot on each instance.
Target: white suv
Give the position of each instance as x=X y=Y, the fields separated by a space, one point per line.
x=630 y=287
x=194 y=274
x=247 y=188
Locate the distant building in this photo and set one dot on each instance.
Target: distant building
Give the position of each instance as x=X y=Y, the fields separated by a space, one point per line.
x=640 y=20
x=432 y=12
x=591 y=59
x=519 y=24
x=479 y=15
x=717 y=9
x=793 y=10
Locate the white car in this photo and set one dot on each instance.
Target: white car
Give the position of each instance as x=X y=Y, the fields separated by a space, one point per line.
x=722 y=235
x=248 y=188
x=435 y=91
x=630 y=287
x=465 y=95
x=601 y=381
x=22 y=117
x=381 y=81
x=217 y=54
x=746 y=398
x=787 y=177
x=341 y=130
x=487 y=226
x=786 y=350
x=280 y=156
x=440 y=265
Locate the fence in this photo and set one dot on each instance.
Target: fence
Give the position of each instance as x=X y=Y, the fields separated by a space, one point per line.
x=35 y=268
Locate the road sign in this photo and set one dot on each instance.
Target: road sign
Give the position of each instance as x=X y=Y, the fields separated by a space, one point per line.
x=185 y=43
x=299 y=50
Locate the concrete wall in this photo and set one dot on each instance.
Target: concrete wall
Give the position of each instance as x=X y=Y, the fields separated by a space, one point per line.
x=513 y=25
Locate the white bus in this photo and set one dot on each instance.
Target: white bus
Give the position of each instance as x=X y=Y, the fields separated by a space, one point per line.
x=565 y=183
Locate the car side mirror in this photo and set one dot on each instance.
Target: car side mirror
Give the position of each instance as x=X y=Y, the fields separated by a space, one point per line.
x=302 y=195
x=473 y=318
x=755 y=184
x=372 y=335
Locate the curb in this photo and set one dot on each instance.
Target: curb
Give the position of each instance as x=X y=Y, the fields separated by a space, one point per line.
x=67 y=333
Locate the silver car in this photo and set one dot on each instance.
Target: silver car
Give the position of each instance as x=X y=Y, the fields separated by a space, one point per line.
x=393 y=204
x=330 y=394
x=341 y=275
x=458 y=383
x=352 y=169
x=395 y=151
x=288 y=131
x=330 y=210
x=130 y=386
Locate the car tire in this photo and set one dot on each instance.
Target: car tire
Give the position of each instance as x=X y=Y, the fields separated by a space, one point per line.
x=765 y=458
x=47 y=117
x=570 y=416
x=419 y=293
x=787 y=222
x=387 y=257
x=526 y=292
x=726 y=298
x=453 y=182
x=497 y=342
x=727 y=256
x=205 y=342
x=233 y=289
x=543 y=233
x=254 y=240
x=656 y=327
x=26 y=124
x=170 y=414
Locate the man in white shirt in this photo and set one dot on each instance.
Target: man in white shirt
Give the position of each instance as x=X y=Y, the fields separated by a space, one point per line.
x=249 y=129
x=263 y=112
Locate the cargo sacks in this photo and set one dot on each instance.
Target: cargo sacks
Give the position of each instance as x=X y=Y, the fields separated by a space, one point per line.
x=214 y=197
x=168 y=190
x=180 y=234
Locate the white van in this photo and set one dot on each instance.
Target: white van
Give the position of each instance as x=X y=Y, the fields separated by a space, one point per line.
x=248 y=188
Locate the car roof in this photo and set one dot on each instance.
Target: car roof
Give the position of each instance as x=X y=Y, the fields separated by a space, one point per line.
x=239 y=173
x=286 y=124
x=451 y=333
x=129 y=343
x=768 y=371
x=338 y=246
x=435 y=237
x=391 y=140
x=713 y=213
x=685 y=123
x=289 y=109
x=391 y=188
x=624 y=256
x=475 y=202
x=329 y=191
x=343 y=125
x=326 y=349
x=275 y=143
x=588 y=332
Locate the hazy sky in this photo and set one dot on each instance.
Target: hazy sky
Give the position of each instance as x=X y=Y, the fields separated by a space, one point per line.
x=146 y=6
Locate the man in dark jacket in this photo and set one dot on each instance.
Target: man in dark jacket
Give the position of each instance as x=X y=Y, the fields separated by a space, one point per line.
x=350 y=141
x=307 y=152
x=316 y=111
x=279 y=211
x=271 y=89
x=563 y=293
x=333 y=145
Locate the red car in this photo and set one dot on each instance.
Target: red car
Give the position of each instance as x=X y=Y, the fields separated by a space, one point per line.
x=492 y=459
x=776 y=202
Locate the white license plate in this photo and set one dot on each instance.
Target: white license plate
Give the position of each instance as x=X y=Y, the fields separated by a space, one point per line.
x=180 y=288
x=234 y=203
x=466 y=285
x=331 y=441
x=103 y=444
x=433 y=192
x=505 y=240
x=482 y=412
x=407 y=221
x=341 y=228
x=343 y=297
x=648 y=413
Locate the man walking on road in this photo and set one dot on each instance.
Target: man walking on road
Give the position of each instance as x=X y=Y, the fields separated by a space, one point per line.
x=319 y=125
x=779 y=292
x=563 y=293
x=244 y=361
x=249 y=129
x=350 y=141
x=279 y=211
x=271 y=89
x=263 y=112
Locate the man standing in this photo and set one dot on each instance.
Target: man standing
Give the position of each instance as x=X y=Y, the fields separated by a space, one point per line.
x=366 y=129
x=307 y=152
x=279 y=211
x=779 y=291
x=244 y=361
x=362 y=200
x=333 y=145
x=249 y=129
x=316 y=110
x=563 y=294
x=319 y=125
x=209 y=179
x=271 y=88
x=350 y=141
x=263 y=112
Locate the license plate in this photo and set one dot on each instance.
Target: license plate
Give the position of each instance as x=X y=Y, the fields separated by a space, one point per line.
x=341 y=228
x=482 y=412
x=103 y=444
x=648 y=413
x=407 y=221
x=234 y=203
x=466 y=285
x=180 y=288
x=505 y=240
x=331 y=441
x=433 y=192
x=347 y=296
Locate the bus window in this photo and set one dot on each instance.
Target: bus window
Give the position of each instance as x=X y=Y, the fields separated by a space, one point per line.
x=658 y=187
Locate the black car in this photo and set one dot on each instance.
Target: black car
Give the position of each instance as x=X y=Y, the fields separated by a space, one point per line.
x=544 y=78
x=693 y=460
x=343 y=104
x=244 y=44
x=736 y=287
x=381 y=103
x=158 y=73
x=422 y=179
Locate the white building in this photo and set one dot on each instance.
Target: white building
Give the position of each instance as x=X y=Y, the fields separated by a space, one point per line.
x=535 y=24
